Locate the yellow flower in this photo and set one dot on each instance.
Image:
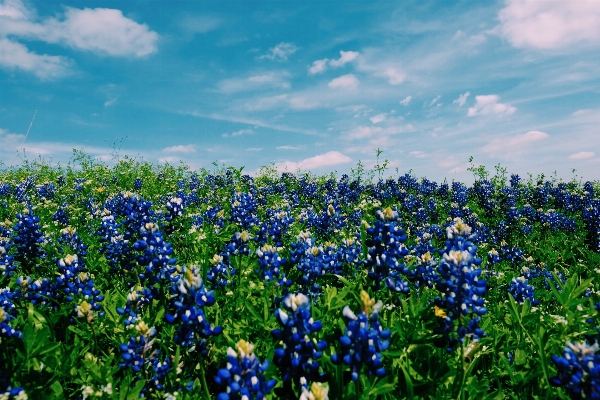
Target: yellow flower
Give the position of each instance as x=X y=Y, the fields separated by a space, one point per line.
x=439 y=312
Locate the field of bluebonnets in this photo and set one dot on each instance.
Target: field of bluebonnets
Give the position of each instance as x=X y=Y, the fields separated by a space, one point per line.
x=140 y=280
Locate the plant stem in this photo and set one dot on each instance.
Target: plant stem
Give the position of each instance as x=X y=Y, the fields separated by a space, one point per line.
x=202 y=374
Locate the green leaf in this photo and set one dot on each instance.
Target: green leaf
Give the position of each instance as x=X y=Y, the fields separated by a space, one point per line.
x=57 y=388
x=134 y=393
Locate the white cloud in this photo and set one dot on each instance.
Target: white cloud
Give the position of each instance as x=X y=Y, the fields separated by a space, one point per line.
x=323 y=160
x=14 y=9
x=281 y=100
x=180 y=149
x=14 y=55
x=288 y=147
x=362 y=132
x=318 y=67
x=435 y=100
x=240 y=133
x=378 y=118
x=549 y=24
x=489 y=105
x=254 y=82
x=582 y=155
x=418 y=154
x=254 y=149
x=345 y=57
x=513 y=145
x=406 y=100
x=581 y=112
x=393 y=76
x=281 y=52
x=462 y=99
x=348 y=81
x=110 y=102
x=321 y=65
x=102 y=30
x=199 y=24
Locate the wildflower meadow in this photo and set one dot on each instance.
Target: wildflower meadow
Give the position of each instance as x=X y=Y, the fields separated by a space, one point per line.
x=155 y=281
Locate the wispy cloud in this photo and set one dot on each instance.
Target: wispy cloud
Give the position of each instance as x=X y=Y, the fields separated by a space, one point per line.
x=348 y=81
x=288 y=147
x=511 y=146
x=102 y=30
x=190 y=148
x=345 y=57
x=239 y=133
x=319 y=66
x=199 y=23
x=549 y=24
x=14 y=55
x=362 y=132
x=435 y=100
x=582 y=155
x=281 y=52
x=275 y=79
x=406 y=100
x=462 y=99
x=489 y=105
x=393 y=75
x=323 y=160
x=378 y=118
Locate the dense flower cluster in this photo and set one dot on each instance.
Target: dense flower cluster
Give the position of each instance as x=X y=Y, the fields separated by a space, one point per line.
x=7 y=312
x=461 y=289
x=386 y=251
x=187 y=305
x=364 y=339
x=28 y=239
x=243 y=378
x=578 y=370
x=297 y=358
x=520 y=289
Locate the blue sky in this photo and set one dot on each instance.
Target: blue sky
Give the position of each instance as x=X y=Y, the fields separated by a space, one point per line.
x=310 y=85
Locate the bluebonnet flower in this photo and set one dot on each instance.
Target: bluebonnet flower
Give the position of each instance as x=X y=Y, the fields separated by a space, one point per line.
x=47 y=190
x=137 y=184
x=314 y=262
x=28 y=239
x=316 y=391
x=138 y=350
x=5 y=189
x=364 y=339
x=137 y=300
x=243 y=210
x=155 y=256
x=7 y=312
x=62 y=215
x=7 y=265
x=9 y=393
x=190 y=298
x=578 y=370
x=298 y=357
x=243 y=378
x=386 y=251
x=520 y=289
x=459 y=285
x=270 y=264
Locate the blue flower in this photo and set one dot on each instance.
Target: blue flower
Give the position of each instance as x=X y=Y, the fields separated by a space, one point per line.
x=187 y=304
x=461 y=289
x=386 y=252
x=364 y=339
x=243 y=378
x=578 y=370
x=297 y=358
